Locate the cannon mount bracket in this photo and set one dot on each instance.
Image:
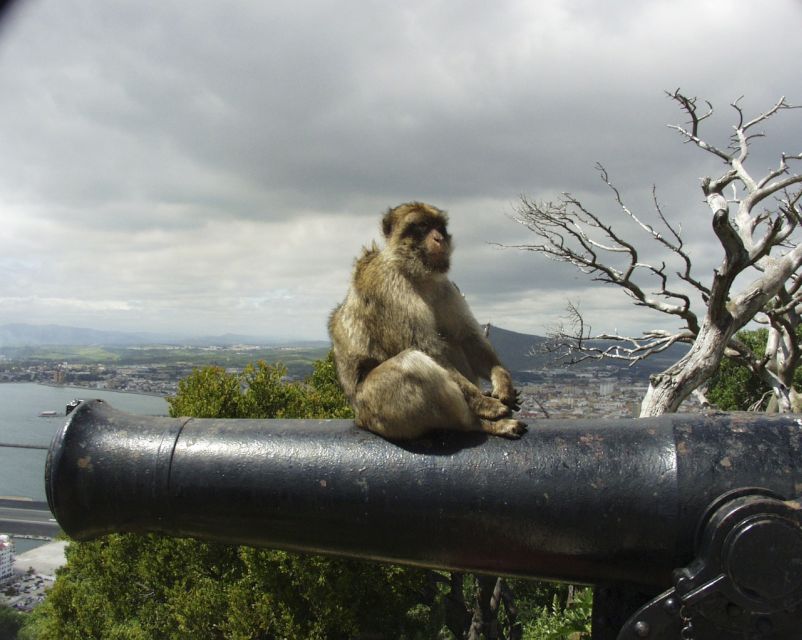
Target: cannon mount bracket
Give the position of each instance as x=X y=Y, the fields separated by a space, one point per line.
x=746 y=578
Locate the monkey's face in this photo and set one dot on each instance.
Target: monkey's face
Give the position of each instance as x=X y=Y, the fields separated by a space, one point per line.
x=418 y=232
x=436 y=247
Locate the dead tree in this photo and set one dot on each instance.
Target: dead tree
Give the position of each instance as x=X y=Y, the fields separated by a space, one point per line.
x=755 y=223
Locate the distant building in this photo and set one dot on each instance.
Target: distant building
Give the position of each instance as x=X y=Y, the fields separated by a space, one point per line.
x=6 y=559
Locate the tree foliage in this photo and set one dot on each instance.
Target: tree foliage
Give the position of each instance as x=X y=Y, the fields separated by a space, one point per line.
x=142 y=587
x=736 y=387
x=10 y=622
x=261 y=391
x=564 y=618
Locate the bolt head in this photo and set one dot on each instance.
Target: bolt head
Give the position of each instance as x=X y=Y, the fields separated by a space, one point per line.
x=671 y=605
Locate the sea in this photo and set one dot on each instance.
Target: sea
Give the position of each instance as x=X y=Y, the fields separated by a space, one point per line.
x=22 y=470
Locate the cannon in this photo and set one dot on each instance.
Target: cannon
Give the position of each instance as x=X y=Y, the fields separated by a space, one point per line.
x=687 y=525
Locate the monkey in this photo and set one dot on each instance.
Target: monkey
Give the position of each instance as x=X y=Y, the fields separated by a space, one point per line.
x=408 y=351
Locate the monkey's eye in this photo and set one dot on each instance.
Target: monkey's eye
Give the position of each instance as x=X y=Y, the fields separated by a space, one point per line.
x=416 y=229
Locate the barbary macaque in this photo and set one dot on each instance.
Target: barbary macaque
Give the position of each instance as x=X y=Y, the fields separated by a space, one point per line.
x=408 y=350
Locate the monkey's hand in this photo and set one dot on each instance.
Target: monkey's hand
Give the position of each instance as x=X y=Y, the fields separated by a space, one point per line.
x=503 y=390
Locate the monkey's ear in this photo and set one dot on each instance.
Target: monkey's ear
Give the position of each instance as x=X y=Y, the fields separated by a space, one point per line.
x=387 y=223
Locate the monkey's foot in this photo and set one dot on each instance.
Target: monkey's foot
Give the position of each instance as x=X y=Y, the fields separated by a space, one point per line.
x=506 y=428
x=490 y=408
x=510 y=397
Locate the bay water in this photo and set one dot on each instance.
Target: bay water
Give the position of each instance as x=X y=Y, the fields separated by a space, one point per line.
x=22 y=471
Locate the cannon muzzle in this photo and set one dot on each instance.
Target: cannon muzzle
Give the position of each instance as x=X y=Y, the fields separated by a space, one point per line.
x=591 y=501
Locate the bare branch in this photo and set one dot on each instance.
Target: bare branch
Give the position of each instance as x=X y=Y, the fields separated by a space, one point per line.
x=566 y=230
x=763 y=240
x=781 y=105
x=734 y=104
x=736 y=256
x=756 y=406
x=770 y=189
x=760 y=291
x=781 y=170
x=676 y=248
x=689 y=106
x=701 y=397
x=701 y=143
x=577 y=344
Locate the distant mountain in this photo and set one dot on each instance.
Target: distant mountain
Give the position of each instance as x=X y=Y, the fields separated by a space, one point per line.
x=519 y=352
x=27 y=335
x=514 y=348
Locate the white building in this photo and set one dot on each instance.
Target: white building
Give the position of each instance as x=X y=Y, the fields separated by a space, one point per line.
x=6 y=559
x=606 y=388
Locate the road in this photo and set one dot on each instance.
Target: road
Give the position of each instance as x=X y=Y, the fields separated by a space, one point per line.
x=26 y=518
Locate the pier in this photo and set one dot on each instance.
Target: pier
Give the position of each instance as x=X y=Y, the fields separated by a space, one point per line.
x=10 y=445
x=27 y=518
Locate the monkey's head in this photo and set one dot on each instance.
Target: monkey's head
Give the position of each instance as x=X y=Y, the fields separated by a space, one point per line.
x=417 y=234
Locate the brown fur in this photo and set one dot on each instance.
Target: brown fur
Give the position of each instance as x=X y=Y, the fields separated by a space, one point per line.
x=409 y=352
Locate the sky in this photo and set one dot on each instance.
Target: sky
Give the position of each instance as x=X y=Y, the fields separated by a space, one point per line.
x=205 y=168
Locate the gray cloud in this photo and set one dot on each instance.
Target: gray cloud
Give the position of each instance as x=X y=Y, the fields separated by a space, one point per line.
x=217 y=167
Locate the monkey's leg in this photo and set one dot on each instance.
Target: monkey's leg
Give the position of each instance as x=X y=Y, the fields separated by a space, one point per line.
x=493 y=415
x=409 y=395
x=481 y=405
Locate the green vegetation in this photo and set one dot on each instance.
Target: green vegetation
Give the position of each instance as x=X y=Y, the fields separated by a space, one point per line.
x=567 y=617
x=130 y=587
x=734 y=387
x=147 y=587
x=260 y=391
x=10 y=622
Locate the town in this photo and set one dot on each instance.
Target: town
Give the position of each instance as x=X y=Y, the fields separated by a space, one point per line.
x=150 y=370
x=562 y=393
x=148 y=379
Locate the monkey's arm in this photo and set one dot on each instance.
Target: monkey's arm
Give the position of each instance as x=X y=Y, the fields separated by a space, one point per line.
x=480 y=355
x=351 y=344
x=485 y=362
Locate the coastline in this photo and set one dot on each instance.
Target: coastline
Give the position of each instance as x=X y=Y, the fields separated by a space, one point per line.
x=75 y=386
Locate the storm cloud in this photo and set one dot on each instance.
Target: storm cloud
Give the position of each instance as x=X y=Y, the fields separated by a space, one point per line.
x=215 y=167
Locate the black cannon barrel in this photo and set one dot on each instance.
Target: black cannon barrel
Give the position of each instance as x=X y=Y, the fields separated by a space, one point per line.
x=582 y=500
